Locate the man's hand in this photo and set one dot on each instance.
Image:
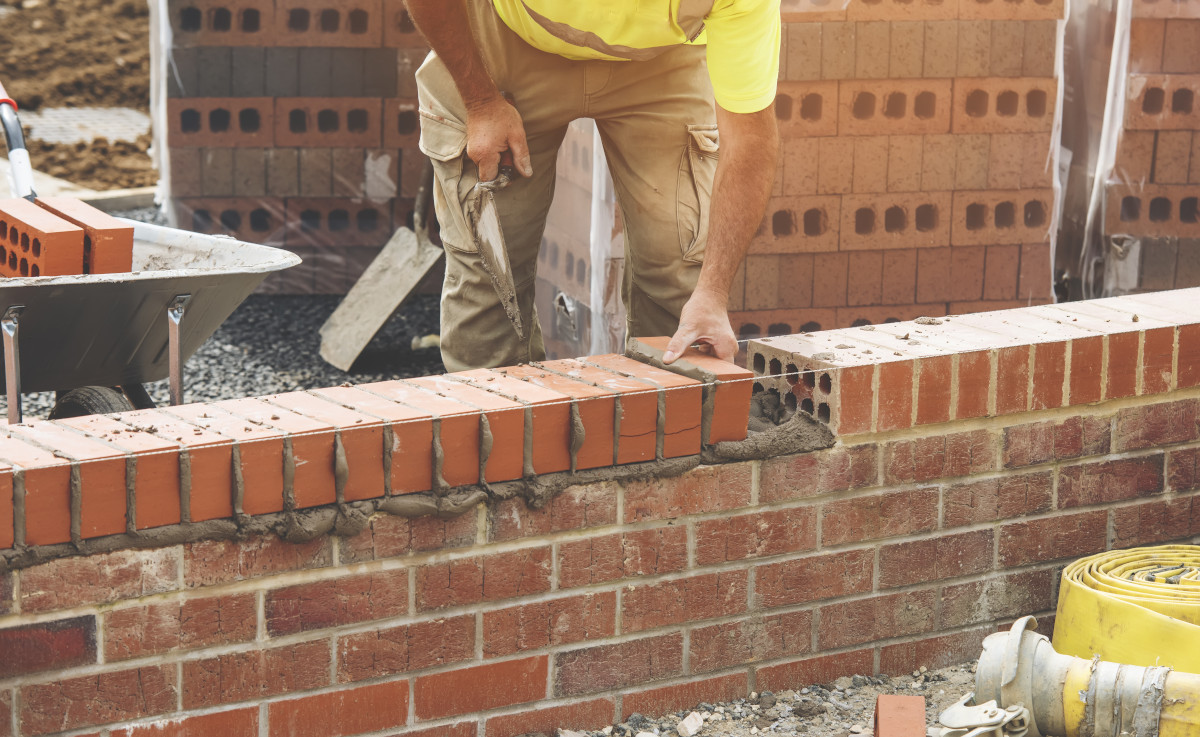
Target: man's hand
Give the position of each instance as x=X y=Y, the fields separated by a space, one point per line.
x=493 y=127
x=703 y=320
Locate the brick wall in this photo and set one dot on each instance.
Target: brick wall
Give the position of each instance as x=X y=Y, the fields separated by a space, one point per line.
x=234 y=568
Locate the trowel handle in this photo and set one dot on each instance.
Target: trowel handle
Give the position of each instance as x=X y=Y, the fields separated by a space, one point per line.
x=507 y=169
x=20 y=173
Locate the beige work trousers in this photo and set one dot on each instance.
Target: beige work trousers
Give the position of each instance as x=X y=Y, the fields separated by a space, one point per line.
x=657 y=122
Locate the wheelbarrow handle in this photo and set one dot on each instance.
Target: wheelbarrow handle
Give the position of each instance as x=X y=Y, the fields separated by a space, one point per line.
x=20 y=171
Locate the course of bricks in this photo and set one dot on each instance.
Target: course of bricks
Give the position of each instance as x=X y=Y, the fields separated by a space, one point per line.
x=1151 y=192
x=294 y=123
x=917 y=165
x=934 y=519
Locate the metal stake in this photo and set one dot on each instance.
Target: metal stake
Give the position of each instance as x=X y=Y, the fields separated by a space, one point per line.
x=12 y=362
x=175 y=312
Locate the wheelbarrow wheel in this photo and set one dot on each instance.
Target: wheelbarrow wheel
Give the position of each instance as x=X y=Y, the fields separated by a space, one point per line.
x=89 y=400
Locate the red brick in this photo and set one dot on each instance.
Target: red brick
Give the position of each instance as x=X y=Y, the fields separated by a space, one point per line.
x=7 y=529
x=255 y=675
x=619 y=665
x=1074 y=437
x=1109 y=481
x=101 y=471
x=866 y=286
x=1122 y=365
x=190 y=121
x=810 y=109
x=594 y=406
x=56 y=645
x=1052 y=538
x=895 y=395
x=879 y=515
x=1086 y=360
x=107 y=243
x=387 y=536
x=1183 y=469
x=996 y=499
x=935 y=558
x=1189 y=356
x=813 y=578
x=1155 y=522
x=855 y=399
x=756 y=535
x=368 y=35
x=6 y=591
x=98 y=578
x=592 y=714
x=1012 y=380
x=483 y=578
x=938 y=457
x=727 y=391
x=577 y=507
x=340 y=713
x=312 y=442
x=974 y=384
x=321 y=222
x=1049 y=376
x=6 y=697
x=1158 y=355
x=481 y=687
x=622 y=555
x=1155 y=425
x=378 y=653
x=750 y=640
x=1146 y=37
x=210 y=562
x=1011 y=595
x=683 y=600
x=74 y=703
x=57 y=245
x=341 y=109
x=336 y=602
x=856 y=118
x=703 y=489
x=636 y=407
x=258 y=455
x=548 y=411
x=462 y=729
x=233 y=723
x=840 y=468
x=154 y=629
x=933 y=652
x=681 y=397
x=549 y=623
x=667 y=699
x=933 y=400
x=876 y=618
x=823 y=669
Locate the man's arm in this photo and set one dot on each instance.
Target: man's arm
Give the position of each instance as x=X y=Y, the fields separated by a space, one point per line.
x=493 y=125
x=745 y=175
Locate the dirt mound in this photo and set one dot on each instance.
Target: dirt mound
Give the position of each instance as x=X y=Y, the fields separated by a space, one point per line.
x=74 y=53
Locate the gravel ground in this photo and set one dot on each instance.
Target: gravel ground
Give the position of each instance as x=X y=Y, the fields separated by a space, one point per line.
x=238 y=362
x=843 y=708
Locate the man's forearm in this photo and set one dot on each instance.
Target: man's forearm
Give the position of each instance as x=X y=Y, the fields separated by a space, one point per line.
x=446 y=27
x=744 y=178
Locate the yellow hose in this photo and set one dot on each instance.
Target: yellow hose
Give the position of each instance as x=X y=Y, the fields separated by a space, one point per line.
x=1139 y=607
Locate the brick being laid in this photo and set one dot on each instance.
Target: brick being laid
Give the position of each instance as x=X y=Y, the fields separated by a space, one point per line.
x=678 y=402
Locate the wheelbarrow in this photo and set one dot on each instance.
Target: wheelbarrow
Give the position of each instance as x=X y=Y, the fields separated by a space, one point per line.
x=95 y=339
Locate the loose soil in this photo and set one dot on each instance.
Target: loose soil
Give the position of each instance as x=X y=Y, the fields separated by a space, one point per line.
x=76 y=53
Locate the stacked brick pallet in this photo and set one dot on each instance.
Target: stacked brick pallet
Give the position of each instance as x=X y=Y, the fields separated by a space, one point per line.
x=916 y=174
x=1151 y=193
x=294 y=123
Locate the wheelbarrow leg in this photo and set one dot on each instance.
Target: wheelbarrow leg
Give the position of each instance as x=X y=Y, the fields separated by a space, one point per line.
x=12 y=362
x=175 y=312
x=137 y=396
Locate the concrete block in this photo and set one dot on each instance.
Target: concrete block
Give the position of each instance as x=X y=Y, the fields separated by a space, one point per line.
x=906 y=49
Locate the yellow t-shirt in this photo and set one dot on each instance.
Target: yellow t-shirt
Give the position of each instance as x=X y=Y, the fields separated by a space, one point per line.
x=742 y=37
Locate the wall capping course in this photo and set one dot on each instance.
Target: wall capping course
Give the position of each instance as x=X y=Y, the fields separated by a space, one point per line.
x=997 y=504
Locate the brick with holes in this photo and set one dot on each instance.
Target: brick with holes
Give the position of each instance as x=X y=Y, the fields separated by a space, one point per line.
x=349 y=122
x=226 y=23
x=323 y=23
x=900 y=220
x=1002 y=105
x=806 y=109
x=258 y=220
x=401 y=124
x=894 y=107
x=1162 y=102
x=1162 y=210
x=799 y=224
x=221 y=121
x=107 y=243
x=999 y=217
x=36 y=242
x=333 y=221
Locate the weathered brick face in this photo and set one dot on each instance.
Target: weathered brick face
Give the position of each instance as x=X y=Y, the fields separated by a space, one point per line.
x=885 y=552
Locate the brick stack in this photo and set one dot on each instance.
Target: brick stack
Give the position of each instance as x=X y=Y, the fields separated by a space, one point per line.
x=916 y=174
x=1151 y=193
x=294 y=123
x=59 y=236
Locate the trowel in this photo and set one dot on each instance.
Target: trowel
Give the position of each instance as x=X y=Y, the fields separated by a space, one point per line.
x=489 y=238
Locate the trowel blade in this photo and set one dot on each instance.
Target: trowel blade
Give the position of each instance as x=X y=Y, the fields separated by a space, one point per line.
x=489 y=238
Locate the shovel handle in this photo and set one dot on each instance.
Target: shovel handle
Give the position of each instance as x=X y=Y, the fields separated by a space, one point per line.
x=20 y=171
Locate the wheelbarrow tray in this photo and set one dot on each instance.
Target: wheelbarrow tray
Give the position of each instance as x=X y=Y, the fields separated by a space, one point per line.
x=111 y=329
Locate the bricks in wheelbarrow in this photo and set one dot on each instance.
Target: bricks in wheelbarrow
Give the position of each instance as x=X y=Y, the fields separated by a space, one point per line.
x=726 y=405
x=107 y=244
x=34 y=242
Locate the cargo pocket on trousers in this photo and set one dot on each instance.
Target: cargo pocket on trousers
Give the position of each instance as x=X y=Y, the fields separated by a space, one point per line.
x=444 y=141
x=696 y=172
